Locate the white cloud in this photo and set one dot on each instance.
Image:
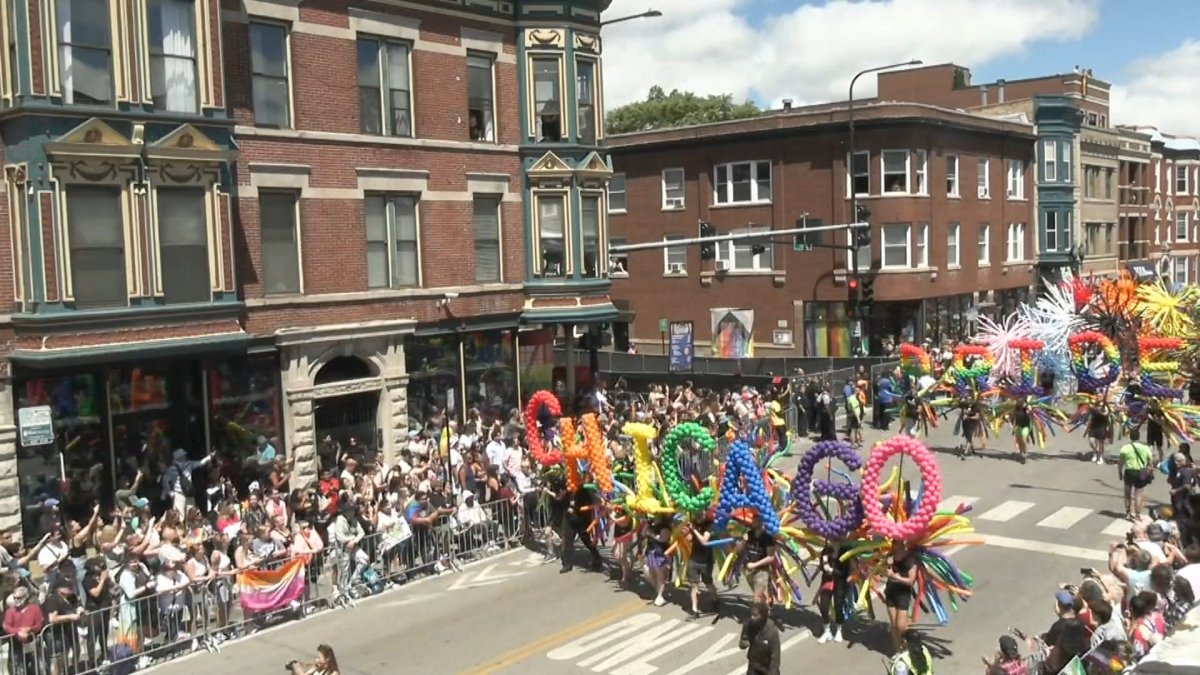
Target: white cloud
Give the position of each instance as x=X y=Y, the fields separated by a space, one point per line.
x=809 y=53
x=1161 y=91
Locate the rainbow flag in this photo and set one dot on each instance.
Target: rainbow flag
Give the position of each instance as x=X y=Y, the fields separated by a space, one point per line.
x=269 y=590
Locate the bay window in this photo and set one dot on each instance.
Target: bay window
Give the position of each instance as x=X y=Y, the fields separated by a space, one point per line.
x=922 y=171
x=590 y=227
x=742 y=183
x=895 y=170
x=547 y=98
x=952 y=176
x=173 y=55
x=1049 y=161
x=587 y=100
x=183 y=244
x=84 y=51
x=96 y=229
x=551 y=259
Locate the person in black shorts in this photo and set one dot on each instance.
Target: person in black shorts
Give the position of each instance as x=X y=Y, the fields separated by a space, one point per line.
x=579 y=516
x=898 y=591
x=1154 y=434
x=971 y=422
x=834 y=591
x=1022 y=422
x=1099 y=430
x=700 y=564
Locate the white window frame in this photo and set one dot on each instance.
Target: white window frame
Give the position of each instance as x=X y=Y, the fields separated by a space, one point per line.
x=921 y=254
x=624 y=192
x=1179 y=263
x=679 y=251
x=1158 y=175
x=850 y=175
x=1049 y=225
x=983 y=182
x=922 y=172
x=1066 y=162
x=674 y=203
x=906 y=172
x=863 y=253
x=1016 y=179
x=618 y=263
x=1181 y=224
x=1181 y=171
x=727 y=252
x=983 y=243
x=1049 y=161
x=952 y=177
x=953 y=244
x=1015 y=243
x=756 y=167
x=884 y=246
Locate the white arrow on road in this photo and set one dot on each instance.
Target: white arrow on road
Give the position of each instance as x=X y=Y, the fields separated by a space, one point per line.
x=487 y=577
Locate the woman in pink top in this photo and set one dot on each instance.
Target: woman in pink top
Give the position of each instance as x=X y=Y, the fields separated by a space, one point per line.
x=309 y=544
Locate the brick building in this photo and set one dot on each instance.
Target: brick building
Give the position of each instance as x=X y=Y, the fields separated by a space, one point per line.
x=1174 y=203
x=950 y=200
x=1137 y=248
x=243 y=218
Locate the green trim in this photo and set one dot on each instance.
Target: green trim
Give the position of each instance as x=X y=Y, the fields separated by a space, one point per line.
x=484 y=325
x=590 y=314
x=236 y=342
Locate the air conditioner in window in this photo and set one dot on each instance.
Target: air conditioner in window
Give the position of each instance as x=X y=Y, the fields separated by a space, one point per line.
x=721 y=266
x=673 y=203
x=676 y=268
x=983 y=192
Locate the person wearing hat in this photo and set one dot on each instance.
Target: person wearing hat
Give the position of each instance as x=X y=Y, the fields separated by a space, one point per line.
x=1008 y=661
x=62 y=611
x=50 y=515
x=177 y=487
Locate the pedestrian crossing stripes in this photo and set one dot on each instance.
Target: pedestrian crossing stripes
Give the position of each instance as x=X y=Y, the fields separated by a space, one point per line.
x=1064 y=518
x=1006 y=511
x=1117 y=528
x=953 y=501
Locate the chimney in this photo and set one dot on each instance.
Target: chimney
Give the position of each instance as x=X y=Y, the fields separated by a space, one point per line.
x=983 y=94
x=999 y=91
x=787 y=104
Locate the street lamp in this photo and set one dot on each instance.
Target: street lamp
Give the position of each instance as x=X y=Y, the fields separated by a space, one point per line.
x=648 y=14
x=850 y=169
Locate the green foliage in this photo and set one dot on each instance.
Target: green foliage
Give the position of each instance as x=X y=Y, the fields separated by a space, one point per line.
x=661 y=110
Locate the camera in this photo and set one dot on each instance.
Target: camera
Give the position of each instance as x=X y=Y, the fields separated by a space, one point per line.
x=290 y=665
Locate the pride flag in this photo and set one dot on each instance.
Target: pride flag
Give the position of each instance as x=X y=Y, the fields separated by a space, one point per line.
x=269 y=590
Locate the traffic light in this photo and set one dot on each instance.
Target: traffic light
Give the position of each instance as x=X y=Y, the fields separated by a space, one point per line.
x=708 y=250
x=862 y=236
x=757 y=249
x=855 y=290
x=868 y=294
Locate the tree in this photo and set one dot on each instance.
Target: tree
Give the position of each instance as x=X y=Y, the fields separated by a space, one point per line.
x=679 y=108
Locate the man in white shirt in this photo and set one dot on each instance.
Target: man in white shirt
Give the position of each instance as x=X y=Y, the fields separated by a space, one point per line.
x=496 y=451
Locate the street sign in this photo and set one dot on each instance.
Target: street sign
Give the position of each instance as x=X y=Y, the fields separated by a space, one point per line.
x=664 y=325
x=37 y=425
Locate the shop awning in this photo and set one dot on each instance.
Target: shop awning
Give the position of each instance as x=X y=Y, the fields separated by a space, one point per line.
x=1142 y=271
x=204 y=345
x=599 y=313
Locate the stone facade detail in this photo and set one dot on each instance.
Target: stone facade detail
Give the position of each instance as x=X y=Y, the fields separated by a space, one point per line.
x=10 y=492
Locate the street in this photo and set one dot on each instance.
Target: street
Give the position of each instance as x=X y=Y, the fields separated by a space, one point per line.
x=514 y=614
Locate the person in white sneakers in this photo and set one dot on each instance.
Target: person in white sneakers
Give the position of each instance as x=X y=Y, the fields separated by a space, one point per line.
x=832 y=597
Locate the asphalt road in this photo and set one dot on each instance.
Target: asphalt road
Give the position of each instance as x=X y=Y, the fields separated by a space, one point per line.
x=513 y=614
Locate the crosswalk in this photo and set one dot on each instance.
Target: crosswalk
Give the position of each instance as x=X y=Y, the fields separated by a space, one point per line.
x=1030 y=514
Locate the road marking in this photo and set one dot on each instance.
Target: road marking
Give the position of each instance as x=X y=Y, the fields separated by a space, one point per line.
x=953 y=501
x=1043 y=547
x=555 y=639
x=639 y=648
x=1118 y=528
x=793 y=641
x=486 y=577
x=1007 y=511
x=713 y=653
x=412 y=599
x=1064 y=518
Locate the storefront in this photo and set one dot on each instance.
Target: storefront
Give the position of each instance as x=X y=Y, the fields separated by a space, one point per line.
x=111 y=421
x=947 y=319
x=458 y=372
x=827 y=330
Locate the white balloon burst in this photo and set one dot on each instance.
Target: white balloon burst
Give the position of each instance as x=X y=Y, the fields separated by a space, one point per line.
x=1053 y=320
x=995 y=335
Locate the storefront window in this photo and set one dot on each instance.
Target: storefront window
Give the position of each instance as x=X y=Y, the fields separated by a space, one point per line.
x=142 y=431
x=827 y=331
x=491 y=365
x=75 y=469
x=946 y=319
x=537 y=361
x=434 y=377
x=243 y=404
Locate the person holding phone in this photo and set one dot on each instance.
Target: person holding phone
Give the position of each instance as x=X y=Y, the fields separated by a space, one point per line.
x=326 y=664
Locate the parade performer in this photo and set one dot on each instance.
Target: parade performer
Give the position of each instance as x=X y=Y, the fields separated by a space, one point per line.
x=1030 y=410
x=916 y=383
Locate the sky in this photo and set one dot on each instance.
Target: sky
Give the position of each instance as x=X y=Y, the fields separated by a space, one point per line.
x=807 y=50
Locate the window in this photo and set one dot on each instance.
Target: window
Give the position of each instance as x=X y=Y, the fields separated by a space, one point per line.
x=861 y=253
x=1158 y=175
x=1181 y=226
x=96 y=228
x=393 y=258
x=895 y=170
x=743 y=183
x=183 y=245
x=922 y=170
x=486 y=220
x=551 y=235
x=1066 y=162
x=616 y=193
x=984 y=244
x=1091 y=179
x=672 y=187
x=593 y=257
x=384 y=91
x=481 y=110
x=618 y=262
x=1100 y=239
x=585 y=90
x=860 y=174
x=674 y=257
x=84 y=52
x=1050 y=229
x=173 y=55
x=1049 y=161
x=953 y=231
x=280 y=242
x=269 y=65
x=1016 y=179
x=952 y=175
x=1179 y=270
x=739 y=256
x=896 y=245
x=922 y=245
x=1108 y=183
x=1181 y=180
x=547 y=99
x=984 y=187
x=1016 y=242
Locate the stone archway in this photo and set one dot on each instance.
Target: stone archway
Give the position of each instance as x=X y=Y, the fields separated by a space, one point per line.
x=345 y=417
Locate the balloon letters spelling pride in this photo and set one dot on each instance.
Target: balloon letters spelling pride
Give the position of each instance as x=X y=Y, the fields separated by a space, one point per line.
x=534 y=436
x=643 y=499
x=591 y=450
x=682 y=495
x=804 y=491
x=739 y=466
x=931 y=488
x=1151 y=350
x=1089 y=382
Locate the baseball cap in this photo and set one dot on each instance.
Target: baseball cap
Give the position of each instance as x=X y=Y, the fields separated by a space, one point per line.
x=1064 y=597
x=1155 y=532
x=1008 y=646
x=51 y=502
